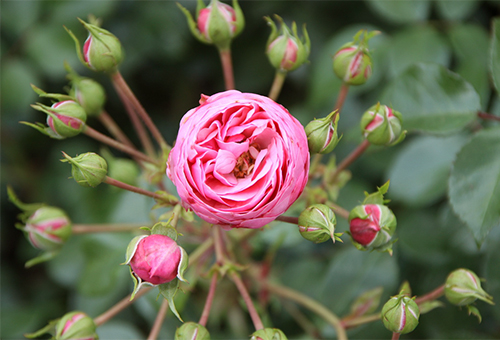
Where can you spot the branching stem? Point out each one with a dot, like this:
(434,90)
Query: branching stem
(114,129)
(350,159)
(210,298)
(257,322)
(158,321)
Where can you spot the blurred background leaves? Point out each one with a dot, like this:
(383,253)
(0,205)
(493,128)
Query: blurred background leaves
(168,70)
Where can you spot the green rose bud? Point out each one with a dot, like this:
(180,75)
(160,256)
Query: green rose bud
(76,325)
(352,62)
(192,331)
(463,287)
(400,314)
(381,125)
(268,334)
(88,169)
(48,228)
(322,134)
(317,224)
(87,92)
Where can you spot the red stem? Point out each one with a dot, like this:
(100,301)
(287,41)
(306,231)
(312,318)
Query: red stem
(341,98)
(208,303)
(395,336)
(137,190)
(435,294)
(227,68)
(114,129)
(257,322)
(158,321)
(351,158)
(488,116)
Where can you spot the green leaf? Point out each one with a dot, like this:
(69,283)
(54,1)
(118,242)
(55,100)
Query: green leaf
(420,171)
(168,290)
(432,99)
(456,9)
(474,186)
(401,12)
(495,54)
(417,44)
(427,306)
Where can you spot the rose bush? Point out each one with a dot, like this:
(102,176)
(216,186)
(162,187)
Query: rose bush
(240,160)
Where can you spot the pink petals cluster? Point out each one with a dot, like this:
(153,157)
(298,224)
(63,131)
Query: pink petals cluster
(364,231)
(240,160)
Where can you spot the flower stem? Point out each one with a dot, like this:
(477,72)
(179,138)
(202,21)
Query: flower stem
(279,79)
(488,116)
(288,219)
(158,321)
(309,303)
(395,336)
(104,228)
(350,159)
(219,253)
(435,294)
(210,298)
(341,98)
(198,252)
(227,68)
(339,210)
(117,145)
(124,303)
(122,87)
(257,322)
(360,320)
(114,129)
(137,190)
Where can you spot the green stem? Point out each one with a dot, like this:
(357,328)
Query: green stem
(117,145)
(361,320)
(158,321)
(350,159)
(279,79)
(227,68)
(104,228)
(210,298)
(257,322)
(123,88)
(341,98)
(309,303)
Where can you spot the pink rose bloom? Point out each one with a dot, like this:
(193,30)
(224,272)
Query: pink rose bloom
(240,160)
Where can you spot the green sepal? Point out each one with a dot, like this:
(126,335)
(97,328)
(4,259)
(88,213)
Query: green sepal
(427,306)
(240,18)
(166,229)
(199,6)
(187,215)
(183,264)
(168,290)
(78,47)
(50,328)
(27,208)
(49,255)
(405,289)
(367,302)
(165,201)
(378,196)
(192,24)
(131,248)
(474,311)
(57,96)
(43,129)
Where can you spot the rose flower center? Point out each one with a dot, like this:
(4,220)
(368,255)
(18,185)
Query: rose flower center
(246,162)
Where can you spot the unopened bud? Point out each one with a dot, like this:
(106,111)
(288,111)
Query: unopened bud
(88,169)
(381,125)
(48,228)
(87,92)
(352,62)
(268,334)
(216,24)
(463,287)
(372,226)
(192,331)
(322,134)
(285,50)
(317,224)
(76,325)
(400,314)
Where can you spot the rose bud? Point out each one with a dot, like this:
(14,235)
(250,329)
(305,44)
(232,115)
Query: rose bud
(400,314)
(352,62)
(192,331)
(48,228)
(381,125)
(64,119)
(240,160)
(317,224)
(463,287)
(87,92)
(372,226)
(286,51)
(216,24)
(76,325)
(154,259)
(88,169)
(268,334)
(322,134)
(122,169)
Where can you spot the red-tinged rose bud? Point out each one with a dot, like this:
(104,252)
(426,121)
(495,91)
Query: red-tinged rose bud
(400,314)
(48,228)
(192,331)
(87,92)
(381,125)
(463,287)
(217,24)
(88,169)
(352,62)
(317,224)
(268,334)
(372,226)
(154,259)
(76,326)
(322,136)
(285,50)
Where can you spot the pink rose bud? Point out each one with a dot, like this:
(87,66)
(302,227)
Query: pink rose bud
(64,119)
(76,326)
(352,62)
(400,314)
(372,226)
(48,228)
(216,24)
(240,160)
(191,331)
(463,287)
(154,259)
(286,51)
(381,125)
